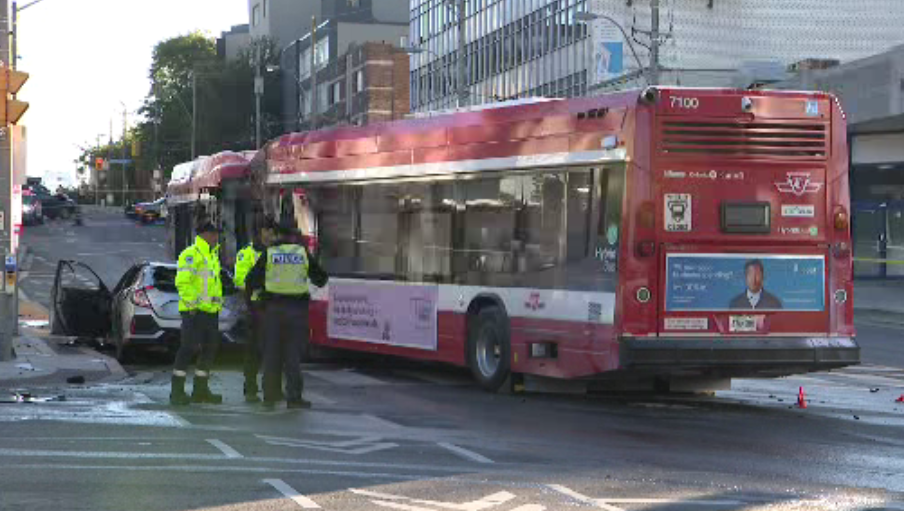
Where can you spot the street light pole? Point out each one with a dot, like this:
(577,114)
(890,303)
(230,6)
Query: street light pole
(314,97)
(8,316)
(125,120)
(654,43)
(194,113)
(15,38)
(258,92)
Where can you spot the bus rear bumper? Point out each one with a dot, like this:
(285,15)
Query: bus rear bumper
(764,356)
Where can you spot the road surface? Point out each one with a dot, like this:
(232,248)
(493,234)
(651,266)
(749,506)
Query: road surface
(385,434)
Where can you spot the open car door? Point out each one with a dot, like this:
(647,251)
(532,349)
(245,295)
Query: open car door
(80,303)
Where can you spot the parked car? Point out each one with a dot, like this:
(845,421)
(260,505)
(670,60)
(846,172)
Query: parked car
(32,211)
(140,313)
(57,205)
(149,212)
(130,210)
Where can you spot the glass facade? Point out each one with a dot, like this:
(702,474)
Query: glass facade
(522,48)
(512,49)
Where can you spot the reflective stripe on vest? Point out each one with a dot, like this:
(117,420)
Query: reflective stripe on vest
(287,270)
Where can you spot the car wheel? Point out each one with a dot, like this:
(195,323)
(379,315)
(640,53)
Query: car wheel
(489,348)
(65,214)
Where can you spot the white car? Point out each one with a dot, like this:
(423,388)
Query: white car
(140,313)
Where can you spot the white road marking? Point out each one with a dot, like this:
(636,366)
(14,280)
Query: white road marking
(291,493)
(358,446)
(461,451)
(225,449)
(393,501)
(45,453)
(607,503)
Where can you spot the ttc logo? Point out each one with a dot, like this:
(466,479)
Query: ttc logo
(534,302)
(799,184)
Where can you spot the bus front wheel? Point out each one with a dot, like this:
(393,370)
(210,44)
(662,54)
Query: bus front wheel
(489,349)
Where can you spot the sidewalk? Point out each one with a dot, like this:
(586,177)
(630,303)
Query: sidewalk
(879,300)
(46,360)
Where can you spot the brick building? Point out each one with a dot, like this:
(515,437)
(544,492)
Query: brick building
(368,83)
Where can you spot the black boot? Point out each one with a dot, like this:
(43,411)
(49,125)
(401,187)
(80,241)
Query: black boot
(201,392)
(178,397)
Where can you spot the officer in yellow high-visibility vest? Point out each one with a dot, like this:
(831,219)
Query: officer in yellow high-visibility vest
(200,303)
(245,260)
(283,274)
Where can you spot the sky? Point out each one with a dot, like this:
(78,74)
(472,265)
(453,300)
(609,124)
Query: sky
(86,58)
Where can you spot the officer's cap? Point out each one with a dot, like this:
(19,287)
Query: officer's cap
(207,227)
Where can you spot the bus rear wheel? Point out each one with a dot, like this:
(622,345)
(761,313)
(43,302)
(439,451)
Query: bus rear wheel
(489,348)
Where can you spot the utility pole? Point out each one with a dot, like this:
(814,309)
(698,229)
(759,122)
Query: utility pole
(194,112)
(8,319)
(654,43)
(15,38)
(462,63)
(314,73)
(258,92)
(97,172)
(125,120)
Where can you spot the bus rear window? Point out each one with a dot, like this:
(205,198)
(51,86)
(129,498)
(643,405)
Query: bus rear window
(745,217)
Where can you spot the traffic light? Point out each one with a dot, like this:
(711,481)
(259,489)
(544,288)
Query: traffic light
(99,163)
(11,109)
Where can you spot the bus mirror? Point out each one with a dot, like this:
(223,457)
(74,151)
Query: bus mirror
(650,96)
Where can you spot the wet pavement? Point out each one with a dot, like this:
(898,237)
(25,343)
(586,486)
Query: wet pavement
(414,438)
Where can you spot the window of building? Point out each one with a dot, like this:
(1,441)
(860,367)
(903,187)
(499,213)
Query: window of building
(359,80)
(256,15)
(266,7)
(336,93)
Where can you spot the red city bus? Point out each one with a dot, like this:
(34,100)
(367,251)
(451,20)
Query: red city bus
(669,235)
(215,188)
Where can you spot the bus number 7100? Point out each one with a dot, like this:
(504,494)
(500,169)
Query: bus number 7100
(685,103)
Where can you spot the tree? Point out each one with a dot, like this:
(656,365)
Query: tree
(223,93)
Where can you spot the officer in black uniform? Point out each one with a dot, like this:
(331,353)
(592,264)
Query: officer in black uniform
(283,276)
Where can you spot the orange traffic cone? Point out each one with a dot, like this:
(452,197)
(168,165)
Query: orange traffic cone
(801,399)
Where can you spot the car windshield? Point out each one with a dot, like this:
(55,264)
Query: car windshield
(164,278)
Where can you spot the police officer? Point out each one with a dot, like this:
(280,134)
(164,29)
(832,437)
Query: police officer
(200,302)
(284,275)
(245,260)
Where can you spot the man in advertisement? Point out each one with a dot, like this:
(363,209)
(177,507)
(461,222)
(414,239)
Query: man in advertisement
(755,296)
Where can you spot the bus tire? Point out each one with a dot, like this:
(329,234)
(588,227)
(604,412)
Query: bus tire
(489,348)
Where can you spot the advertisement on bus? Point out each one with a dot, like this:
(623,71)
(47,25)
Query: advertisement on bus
(382,313)
(720,282)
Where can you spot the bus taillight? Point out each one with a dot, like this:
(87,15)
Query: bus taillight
(841,220)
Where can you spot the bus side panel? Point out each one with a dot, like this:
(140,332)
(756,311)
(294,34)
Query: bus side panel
(584,349)
(638,271)
(841,277)
(450,344)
